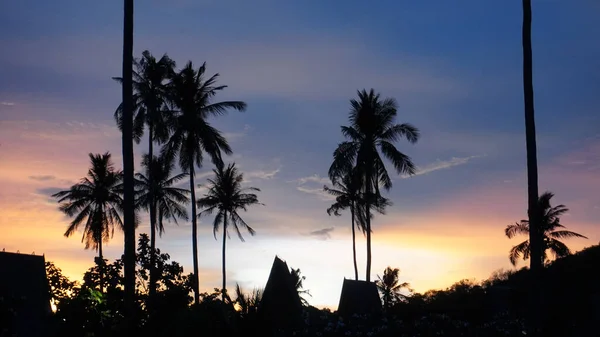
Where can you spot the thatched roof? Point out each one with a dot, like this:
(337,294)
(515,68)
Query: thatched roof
(280,307)
(359,297)
(24,288)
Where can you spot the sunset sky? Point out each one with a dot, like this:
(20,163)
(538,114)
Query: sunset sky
(455,71)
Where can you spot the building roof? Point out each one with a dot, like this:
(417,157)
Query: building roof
(24,289)
(359,297)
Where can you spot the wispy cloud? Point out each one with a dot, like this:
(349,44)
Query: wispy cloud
(7,103)
(261,174)
(441,165)
(322,234)
(42,178)
(315,178)
(234,136)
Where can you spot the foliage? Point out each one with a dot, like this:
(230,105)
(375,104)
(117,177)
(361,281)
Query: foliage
(390,288)
(551,228)
(298,281)
(95,202)
(60,286)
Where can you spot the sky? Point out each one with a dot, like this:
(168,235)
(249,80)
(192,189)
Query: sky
(454,67)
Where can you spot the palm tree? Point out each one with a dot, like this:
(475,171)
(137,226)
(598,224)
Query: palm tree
(164,201)
(247,303)
(226,196)
(192,135)
(298,283)
(348,195)
(95,203)
(552,231)
(129,222)
(390,287)
(150,108)
(372,128)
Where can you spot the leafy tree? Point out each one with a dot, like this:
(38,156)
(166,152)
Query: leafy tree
(226,197)
(159,197)
(60,286)
(551,232)
(372,130)
(95,203)
(192,95)
(390,287)
(247,303)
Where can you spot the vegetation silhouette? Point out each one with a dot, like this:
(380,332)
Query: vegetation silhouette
(149,79)
(157,195)
(348,194)
(390,288)
(535,232)
(549,223)
(96,203)
(191,94)
(129,223)
(226,196)
(372,129)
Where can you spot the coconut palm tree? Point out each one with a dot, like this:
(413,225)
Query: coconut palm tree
(129,219)
(150,79)
(226,197)
(348,195)
(390,287)
(372,130)
(94,203)
(552,232)
(192,95)
(297,280)
(159,196)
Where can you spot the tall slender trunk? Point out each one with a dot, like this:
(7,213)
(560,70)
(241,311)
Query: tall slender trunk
(536,263)
(224,269)
(152,286)
(127,139)
(196,280)
(354,242)
(368,188)
(101,265)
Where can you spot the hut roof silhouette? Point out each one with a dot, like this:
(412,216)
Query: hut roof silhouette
(359,297)
(280,307)
(24,288)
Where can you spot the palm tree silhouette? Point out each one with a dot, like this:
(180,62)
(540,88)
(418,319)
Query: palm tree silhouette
(390,287)
(159,196)
(191,94)
(129,217)
(372,128)
(95,202)
(298,283)
(551,232)
(348,195)
(150,79)
(226,197)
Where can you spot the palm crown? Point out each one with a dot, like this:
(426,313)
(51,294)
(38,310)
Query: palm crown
(551,228)
(169,200)
(94,202)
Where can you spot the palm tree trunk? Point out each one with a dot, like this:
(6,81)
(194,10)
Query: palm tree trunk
(368,220)
(196,279)
(354,242)
(152,286)
(101,265)
(536,263)
(127,139)
(224,270)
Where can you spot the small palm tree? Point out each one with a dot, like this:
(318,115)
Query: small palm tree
(192,95)
(226,197)
(298,283)
(551,229)
(95,202)
(161,197)
(247,304)
(390,287)
(348,195)
(372,130)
